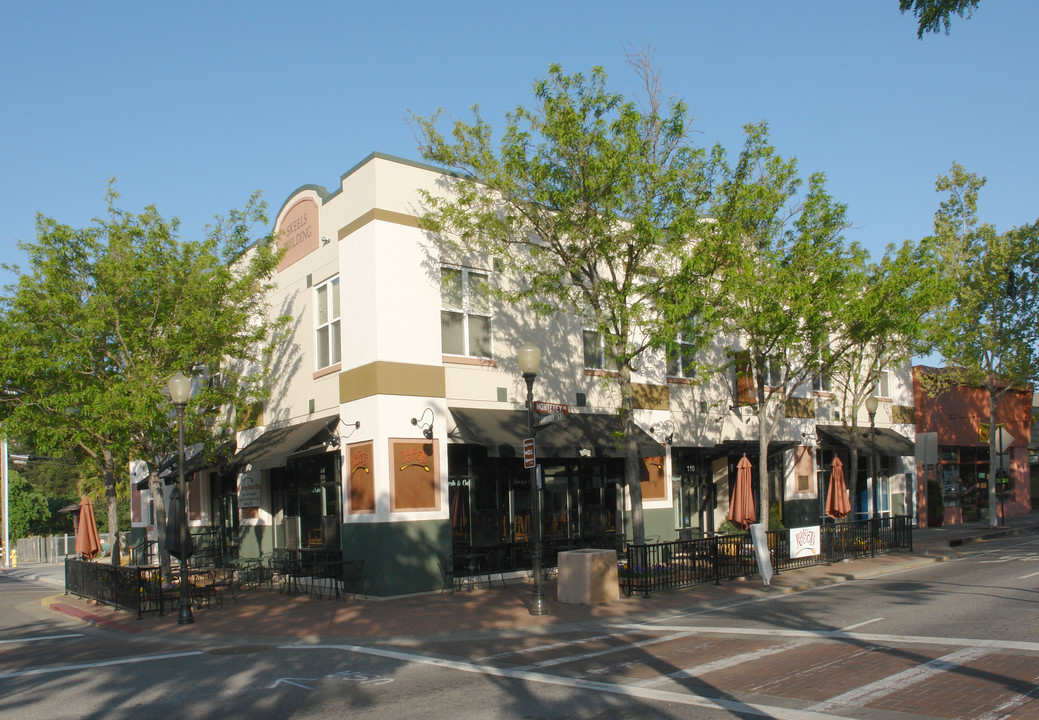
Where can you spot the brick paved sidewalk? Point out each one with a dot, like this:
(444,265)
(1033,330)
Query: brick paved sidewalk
(268,613)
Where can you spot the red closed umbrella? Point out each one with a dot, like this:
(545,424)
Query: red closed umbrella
(741,509)
(88,542)
(837,503)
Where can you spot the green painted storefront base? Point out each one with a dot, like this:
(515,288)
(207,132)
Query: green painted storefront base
(400,558)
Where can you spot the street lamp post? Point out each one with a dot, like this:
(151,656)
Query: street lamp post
(180,390)
(529,356)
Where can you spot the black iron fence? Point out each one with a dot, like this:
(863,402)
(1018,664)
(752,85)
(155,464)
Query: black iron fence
(659,567)
(131,588)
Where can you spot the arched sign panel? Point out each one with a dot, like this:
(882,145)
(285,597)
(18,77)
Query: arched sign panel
(299,233)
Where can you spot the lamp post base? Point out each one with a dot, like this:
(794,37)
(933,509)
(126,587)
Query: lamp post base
(538,606)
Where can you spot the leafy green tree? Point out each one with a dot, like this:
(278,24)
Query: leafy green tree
(787,285)
(933,15)
(28,507)
(885,324)
(988,335)
(594,203)
(105,314)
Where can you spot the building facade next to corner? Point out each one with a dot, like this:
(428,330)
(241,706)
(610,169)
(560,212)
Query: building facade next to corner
(959,467)
(395,425)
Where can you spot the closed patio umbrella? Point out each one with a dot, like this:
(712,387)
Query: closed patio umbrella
(837,503)
(88,542)
(741,509)
(178,539)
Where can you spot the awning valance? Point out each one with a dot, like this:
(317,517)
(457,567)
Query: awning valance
(889,442)
(574,435)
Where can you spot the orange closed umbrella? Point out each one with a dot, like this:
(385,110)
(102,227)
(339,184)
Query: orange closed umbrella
(741,509)
(837,503)
(88,542)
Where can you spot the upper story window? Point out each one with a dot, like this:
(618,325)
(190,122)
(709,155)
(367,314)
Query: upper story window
(594,350)
(883,386)
(465,315)
(326,322)
(821,379)
(681,362)
(744,389)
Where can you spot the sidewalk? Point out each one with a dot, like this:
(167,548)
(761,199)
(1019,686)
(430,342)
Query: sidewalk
(270,614)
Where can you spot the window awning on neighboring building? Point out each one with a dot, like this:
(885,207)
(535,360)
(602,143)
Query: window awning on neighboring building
(889,442)
(195,459)
(502,432)
(274,446)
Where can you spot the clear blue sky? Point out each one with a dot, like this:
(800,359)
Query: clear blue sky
(193,105)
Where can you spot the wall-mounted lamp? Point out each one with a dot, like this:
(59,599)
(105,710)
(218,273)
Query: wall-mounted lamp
(337,436)
(325,241)
(666,430)
(427,427)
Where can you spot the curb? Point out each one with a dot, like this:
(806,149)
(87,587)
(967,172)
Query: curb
(55,605)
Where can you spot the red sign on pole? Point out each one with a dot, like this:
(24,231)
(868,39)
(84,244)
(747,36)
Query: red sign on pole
(528,453)
(548,407)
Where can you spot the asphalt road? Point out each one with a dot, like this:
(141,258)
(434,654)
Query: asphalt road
(955,639)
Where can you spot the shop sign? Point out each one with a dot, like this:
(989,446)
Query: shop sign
(804,542)
(248,490)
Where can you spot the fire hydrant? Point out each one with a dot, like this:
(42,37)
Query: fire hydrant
(14,558)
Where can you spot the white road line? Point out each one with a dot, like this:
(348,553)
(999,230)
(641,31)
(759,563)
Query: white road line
(1029,575)
(540,648)
(846,628)
(102,663)
(38,639)
(733,706)
(722,664)
(1012,704)
(899,681)
(862,637)
(607,651)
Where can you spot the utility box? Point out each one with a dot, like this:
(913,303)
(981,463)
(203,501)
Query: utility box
(587,577)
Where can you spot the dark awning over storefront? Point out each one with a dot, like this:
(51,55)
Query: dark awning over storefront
(502,433)
(275,446)
(750,447)
(889,442)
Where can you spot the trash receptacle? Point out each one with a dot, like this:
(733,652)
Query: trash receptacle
(587,577)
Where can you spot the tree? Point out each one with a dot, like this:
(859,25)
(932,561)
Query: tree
(594,203)
(28,507)
(786,286)
(885,324)
(106,313)
(933,15)
(988,334)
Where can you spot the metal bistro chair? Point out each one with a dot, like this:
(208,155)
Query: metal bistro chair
(447,576)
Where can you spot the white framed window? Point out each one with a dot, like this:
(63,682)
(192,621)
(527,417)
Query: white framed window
(465,314)
(882,388)
(328,333)
(594,350)
(681,362)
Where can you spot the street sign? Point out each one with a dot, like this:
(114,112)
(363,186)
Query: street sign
(529,460)
(549,419)
(547,407)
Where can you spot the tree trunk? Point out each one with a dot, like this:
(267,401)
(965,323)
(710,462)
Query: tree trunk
(108,480)
(159,508)
(632,472)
